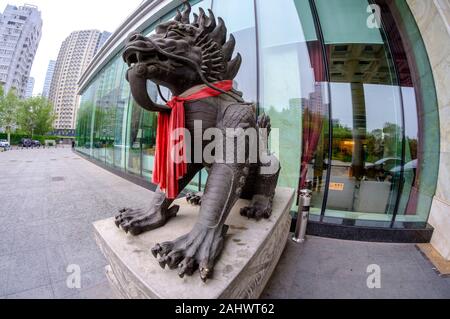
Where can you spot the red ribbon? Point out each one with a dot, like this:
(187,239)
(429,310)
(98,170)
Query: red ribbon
(167,171)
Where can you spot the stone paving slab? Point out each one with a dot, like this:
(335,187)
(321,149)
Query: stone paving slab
(329,268)
(51,197)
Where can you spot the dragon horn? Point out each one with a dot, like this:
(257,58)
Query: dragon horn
(186,13)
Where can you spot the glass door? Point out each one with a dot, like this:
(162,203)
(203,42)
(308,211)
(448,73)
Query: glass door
(367,118)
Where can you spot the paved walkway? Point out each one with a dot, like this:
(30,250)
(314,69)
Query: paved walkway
(328,268)
(49,199)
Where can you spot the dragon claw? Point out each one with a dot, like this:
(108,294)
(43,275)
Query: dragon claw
(155,250)
(162,262)
(204,274)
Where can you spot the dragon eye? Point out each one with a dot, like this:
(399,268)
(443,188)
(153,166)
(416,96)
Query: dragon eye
(174,34)
(180,30)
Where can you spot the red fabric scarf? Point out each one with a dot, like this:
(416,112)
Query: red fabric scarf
(166,171)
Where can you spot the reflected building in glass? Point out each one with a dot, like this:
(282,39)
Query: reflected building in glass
(349,85)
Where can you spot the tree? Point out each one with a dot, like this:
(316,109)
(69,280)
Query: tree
(9,106)
(36,116)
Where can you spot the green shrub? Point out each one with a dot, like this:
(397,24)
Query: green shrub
(16,137)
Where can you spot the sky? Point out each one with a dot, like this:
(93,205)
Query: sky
(61,17)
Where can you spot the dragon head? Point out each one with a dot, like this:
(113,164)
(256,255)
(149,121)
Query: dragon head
(181,54)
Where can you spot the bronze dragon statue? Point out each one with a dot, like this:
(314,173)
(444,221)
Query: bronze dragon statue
(187,56)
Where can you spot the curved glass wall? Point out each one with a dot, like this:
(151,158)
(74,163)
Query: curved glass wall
(350,93)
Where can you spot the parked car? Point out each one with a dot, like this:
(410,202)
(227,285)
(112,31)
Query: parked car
(410,169)
(5,145)
(381,168)
(28,142)
(25,142)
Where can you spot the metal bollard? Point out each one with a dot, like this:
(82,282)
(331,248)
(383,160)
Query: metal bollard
(303,216)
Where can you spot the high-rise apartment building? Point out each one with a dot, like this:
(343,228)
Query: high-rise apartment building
(48,78)
(103,38)
(20,33)
(74,56)
(30,88)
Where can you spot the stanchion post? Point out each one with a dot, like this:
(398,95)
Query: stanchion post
(304,204)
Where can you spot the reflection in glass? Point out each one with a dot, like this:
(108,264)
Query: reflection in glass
(147,131)
(84,119)
(239,16)
(133,141)
(293,92)
(123,94)
(367,114)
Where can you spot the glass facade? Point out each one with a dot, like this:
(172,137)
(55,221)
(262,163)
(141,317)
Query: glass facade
(348,85)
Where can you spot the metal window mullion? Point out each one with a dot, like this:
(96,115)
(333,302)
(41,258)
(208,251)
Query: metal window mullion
(258,71)
(321,40)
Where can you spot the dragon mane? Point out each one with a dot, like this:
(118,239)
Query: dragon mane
(210,36)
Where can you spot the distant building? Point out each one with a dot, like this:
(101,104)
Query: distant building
(48,78)
(103,38)
(75,54)
(30,88)
(20,33)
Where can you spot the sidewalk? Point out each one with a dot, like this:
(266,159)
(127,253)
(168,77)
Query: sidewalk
(329,268)
(50,197)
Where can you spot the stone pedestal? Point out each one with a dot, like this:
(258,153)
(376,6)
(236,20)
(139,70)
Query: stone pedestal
(251,252)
